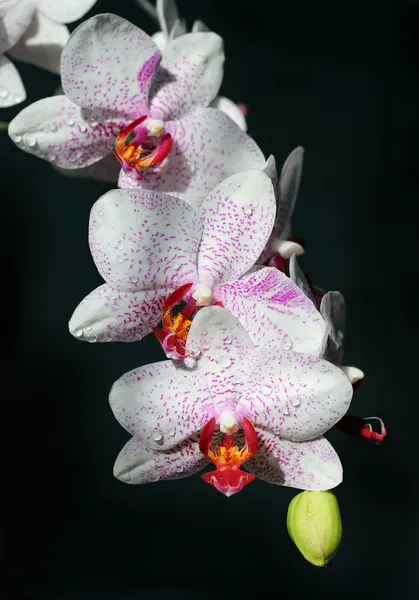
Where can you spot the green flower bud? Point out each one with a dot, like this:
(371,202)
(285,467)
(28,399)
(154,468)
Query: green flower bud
(315,526)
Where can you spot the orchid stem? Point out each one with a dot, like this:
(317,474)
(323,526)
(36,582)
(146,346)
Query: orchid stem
(147,7)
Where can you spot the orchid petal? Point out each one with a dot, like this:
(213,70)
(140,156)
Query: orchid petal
(105,169)
(274,311)
(179,28)
(353,374)
(12,90)
(289,184)
(189,76)
(42,43)
(15,16)
(298,277)
(65,12)
(222,342)
(160,39)
(108,63)
(312,465)
(238,217)
(167,15)
(137,464)
(162,405)
(207,148)
(111,315)
(231,109)
(295,395)
(56,129)
(288,248)
(144,240)
(332,308)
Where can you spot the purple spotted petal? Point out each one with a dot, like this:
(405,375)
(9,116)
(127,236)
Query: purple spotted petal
(136,463)
(208,147)
(223,344)
(312,465)
(111,315)
(332,308)
(161,405)
(65,12)
(12,90)
(144,240)
(238,217)
(15,17)
(189,76)
(63,133)
(108,63)
(295,395)
(274,311)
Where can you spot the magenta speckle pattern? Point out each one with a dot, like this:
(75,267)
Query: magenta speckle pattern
(208,147)
(238,217)
(139,464)
(100,65)
(311,465)
(147,71)
(142,240)
(270,306)
(189,77)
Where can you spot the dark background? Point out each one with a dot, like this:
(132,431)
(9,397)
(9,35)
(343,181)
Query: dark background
(346,87)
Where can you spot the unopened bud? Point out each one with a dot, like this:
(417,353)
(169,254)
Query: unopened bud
(315,526)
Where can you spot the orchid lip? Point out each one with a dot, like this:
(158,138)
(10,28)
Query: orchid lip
(136,146)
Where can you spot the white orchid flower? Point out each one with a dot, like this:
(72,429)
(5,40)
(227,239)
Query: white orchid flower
(282,403)
(166,15)
(148,246)
(33,31)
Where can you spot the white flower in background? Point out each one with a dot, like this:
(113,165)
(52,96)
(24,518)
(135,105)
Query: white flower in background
(166,15)
(154,117)
(282,403)
(33,31)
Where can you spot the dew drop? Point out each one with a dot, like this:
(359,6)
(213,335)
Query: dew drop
(194,350)
(120,260)
(185,418)
(237,395)
(225,362)
(3,92)
(100,213)
(171,432)
(254,204)
(17,138)
(92,339)
(156,435)
(295,401)
(89,328)
(176,266)
(238,380)
(286,342)
(134,279)
(266,390)
(191,166)
(120,246)
(31,140)
(79,332)
(205,346)
(70,122)
(83,128)
(248,210)
(53,126)
(204,332)
(286,409)
(227,341)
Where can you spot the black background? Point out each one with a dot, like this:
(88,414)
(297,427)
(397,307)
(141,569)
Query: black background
(345,85)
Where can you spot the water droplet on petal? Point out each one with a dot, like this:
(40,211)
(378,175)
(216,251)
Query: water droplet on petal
(237,395)
(204,332)
(156,435)
(134,279)
(266,390)
(254,204)
(53,126)
(286,342)
(176,266)
(3,92)
(227,341)
(89,328)
(191,166)
(92,339)
(194,350)
(179,469)
(171,432)
(225,362)
(185,417)
(286,409)
(31,140)
(238,380)
(70,122)
(120,246)
(83,128)
(100,213)
(295,401)
(248,210)
(120,260)
(17,138)
(79,332)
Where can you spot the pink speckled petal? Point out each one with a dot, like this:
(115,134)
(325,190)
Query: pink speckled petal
(223,343)
(108,63)
(167,15)
(136,463)
(144,240)
(42,43)
(189,76)
(312,465)
(274,311)
(65,12)
(15,17)
(296,395)
(231,109)
(199,26)
(12,90)
(163,404)
(111,315)
(207,148)
(63,133)
(332,308)
(238,217)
